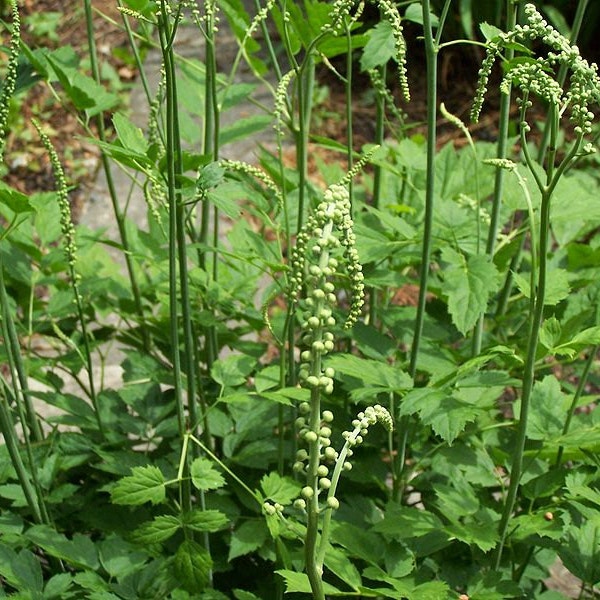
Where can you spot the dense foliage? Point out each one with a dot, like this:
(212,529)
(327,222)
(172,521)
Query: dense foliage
(375,378)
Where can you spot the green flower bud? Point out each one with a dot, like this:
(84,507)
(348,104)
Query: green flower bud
(327,415)
(307,492)
(330,453)
(324,483)
(310,437)
(269,509)
(325,432)
(322,471)
(333,503)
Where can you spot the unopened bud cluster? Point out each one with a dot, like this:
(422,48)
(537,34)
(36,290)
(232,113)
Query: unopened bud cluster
(320,439)
(66,221)
(10,79)
(390,11)
(370,416)
(535,77)
(326,231)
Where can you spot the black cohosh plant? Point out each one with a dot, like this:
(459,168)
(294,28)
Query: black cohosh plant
(541,77)
(316,264)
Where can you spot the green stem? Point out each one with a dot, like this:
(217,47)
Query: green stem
(136,55)
(536,312)
(172,202)
(12,445)
(377,178)
(112,191)
(305,84)
(501,152)
(563,70)
(536,317)
(15,363)
(431,52)
(349,106)
(578,393)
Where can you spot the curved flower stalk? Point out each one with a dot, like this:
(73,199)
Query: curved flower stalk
(70,244)
(538,77)
(324,250)
(10,79)
(535,76)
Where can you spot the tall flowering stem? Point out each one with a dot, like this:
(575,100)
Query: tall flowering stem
(324,252)
(68,231)
(539,78)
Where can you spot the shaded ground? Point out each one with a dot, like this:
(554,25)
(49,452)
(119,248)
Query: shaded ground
(29,168)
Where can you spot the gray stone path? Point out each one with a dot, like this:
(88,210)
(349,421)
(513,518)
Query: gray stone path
(98,213)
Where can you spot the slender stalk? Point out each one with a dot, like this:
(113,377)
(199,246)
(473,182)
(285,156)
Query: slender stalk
(15,363)
(501,152)
(562,72)
(210,148)
(576,396)
(536,314)
(431,53)
(136,55)
(348,94)
(304,85)
(10,439)
(172,197)
(110,184)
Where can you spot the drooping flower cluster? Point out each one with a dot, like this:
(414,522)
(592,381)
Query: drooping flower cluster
(10,79)
(313,264)
(66,221)
(536,76)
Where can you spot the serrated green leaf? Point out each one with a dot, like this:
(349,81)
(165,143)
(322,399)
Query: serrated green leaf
(15,200)
(373,373)
(248,537)
(79,551)
(587,337)
(242,128)
(83,91)
(557,286)
(209,176)
(446,415)
(580,551)
(548,410)
(468,283)
(489,32)
(279,489)
(414,13)
(233,370)
(130,136)
(380,48)
(192,565)
(341,566)
(205,520)
(57,586)
(550,333)
(483,534)
(27,571)
(536,524)
(406,522)
(358,542)
(205,476)
(298,582)
(158,530)
(146,484)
